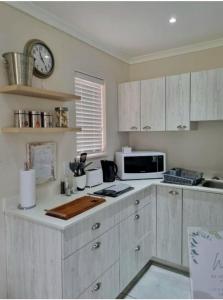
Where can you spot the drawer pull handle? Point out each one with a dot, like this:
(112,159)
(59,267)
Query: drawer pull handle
(133,127)
(184,126)
(174,193)
(147,127)
(137,248)
(96,246)
(179,126)
(96,226)
(137,202)
(137,217)
(96,287)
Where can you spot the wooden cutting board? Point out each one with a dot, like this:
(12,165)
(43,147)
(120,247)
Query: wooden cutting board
(75,207)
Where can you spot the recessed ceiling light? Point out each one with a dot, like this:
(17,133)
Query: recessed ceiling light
(172,20)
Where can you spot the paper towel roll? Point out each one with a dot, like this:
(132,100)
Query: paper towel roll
(27,189)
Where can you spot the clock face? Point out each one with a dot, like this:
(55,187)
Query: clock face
(43,58)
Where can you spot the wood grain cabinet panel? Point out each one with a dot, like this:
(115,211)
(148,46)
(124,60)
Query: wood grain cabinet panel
(207,95)
(129,106)
(105,287)
(136,226)
(169,223)
(82,268)
(178,102)
(33,260)
(153,104)
(200,209)
(133,260)
(80,233)
(133,203)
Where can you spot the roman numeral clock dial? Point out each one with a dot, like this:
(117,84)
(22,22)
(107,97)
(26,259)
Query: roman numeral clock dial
(43,58)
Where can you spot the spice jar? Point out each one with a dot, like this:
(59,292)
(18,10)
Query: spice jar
(21,118)
(35,118)
(61,118)
(46,119)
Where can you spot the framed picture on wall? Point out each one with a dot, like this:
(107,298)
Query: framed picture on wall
(42,157)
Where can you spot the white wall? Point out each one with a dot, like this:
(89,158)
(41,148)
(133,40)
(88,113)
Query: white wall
(201,149)
(71,55)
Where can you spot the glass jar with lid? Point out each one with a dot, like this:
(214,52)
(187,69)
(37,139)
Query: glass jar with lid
(61,117)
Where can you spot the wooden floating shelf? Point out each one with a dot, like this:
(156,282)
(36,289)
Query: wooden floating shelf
(39,130)
(24,90)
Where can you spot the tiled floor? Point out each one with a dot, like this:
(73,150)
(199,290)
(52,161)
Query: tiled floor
(160,283)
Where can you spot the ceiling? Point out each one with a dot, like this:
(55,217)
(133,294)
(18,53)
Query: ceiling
(135,31)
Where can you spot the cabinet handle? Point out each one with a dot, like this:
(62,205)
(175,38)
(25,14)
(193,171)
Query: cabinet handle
(137,217)
(179,127)
(96,226)
(174,193)
(96,287)
(147,127)
(96,246)
(184,126)
(137,248)
(133,127)
(137,202)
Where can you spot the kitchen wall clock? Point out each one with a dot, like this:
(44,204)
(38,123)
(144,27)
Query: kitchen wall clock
(43,58)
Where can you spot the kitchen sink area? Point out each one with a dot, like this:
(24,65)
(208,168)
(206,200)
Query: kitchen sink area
(214,184)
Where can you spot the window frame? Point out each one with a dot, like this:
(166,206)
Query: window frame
(94,79)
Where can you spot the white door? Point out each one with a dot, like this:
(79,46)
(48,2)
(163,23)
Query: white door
(207,95)
(169,224)
(178,102)
(129,106)
(153,104)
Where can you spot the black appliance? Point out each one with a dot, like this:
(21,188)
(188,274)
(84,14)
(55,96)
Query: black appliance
(109,169)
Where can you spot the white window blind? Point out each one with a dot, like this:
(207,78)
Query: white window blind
(90,114)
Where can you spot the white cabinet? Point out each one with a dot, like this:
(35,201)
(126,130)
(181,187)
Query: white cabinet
(200,209)
(129,106)
(178,102)
(207,95)
(169,223)
(153,104)
(105,287)
(86,264)
(137,238)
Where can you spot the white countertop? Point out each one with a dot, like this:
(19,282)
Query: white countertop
(37,214)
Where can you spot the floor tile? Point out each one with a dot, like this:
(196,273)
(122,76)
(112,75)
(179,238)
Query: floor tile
(159,283)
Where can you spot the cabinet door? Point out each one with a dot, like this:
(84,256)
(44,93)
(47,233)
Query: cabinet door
(207,95)
(82,268)
(129,106)
(178,102)
(105,287)
(200,209)
(153,104)
(169,223)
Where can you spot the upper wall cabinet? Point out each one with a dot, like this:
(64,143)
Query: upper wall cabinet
(129,106)
(153,104)
(207,95)
(178,102)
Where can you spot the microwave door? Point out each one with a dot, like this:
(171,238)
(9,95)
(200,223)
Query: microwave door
(140,164)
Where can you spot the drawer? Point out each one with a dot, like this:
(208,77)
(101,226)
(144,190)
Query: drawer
(137,226)
(105,287)
(133,260)
(82,268)
(81,233)
(136,201)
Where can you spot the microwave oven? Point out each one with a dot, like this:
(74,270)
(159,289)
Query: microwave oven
(140,165)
